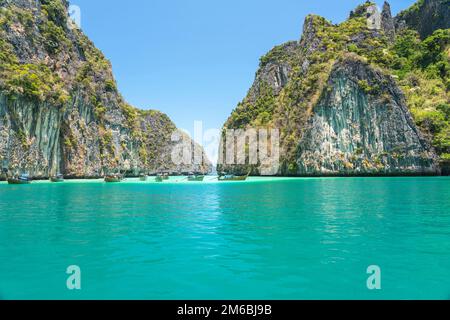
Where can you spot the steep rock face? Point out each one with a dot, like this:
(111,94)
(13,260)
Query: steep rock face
(356,122)
(60,110)
(387,21)
(274,71)
(22,120)
(425,16)
(355,132)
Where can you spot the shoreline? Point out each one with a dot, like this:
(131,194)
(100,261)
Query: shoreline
(331,175)
(214,180)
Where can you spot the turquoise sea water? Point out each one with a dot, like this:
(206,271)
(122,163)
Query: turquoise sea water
(261,239)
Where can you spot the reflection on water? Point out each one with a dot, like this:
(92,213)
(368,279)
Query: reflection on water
(287,239)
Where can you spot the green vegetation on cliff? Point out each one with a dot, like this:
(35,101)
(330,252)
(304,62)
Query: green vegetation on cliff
(55,11)
(260,111)
(34,81)
(423,71)
(420,66)
(59,101)
(425,17)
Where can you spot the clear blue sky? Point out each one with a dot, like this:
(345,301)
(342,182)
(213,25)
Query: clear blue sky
(195,60)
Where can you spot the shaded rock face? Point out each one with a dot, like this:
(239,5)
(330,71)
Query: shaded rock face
(29,134)
(425,16)
(387,21)
(353,132)
(310,40)
(276,75)
(274,72)
(77,124)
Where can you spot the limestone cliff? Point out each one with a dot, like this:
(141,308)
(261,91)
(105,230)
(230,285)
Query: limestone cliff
(354,131)
(425,16)
(60,110)
(357,98)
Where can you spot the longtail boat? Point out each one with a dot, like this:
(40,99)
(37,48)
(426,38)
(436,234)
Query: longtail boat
(160,177)
(195,178)
(22,179)
(58,178)
(232,177)
(114,178)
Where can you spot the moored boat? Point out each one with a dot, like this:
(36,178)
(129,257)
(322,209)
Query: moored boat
(195,178)
(160,177)
(232,177)
(113,178)
(22,179)
(58,178)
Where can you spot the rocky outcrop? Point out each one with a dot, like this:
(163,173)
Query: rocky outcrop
(341,107)
(387,21)
(60,110)
(354,131)
(425,16)
(30,135)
